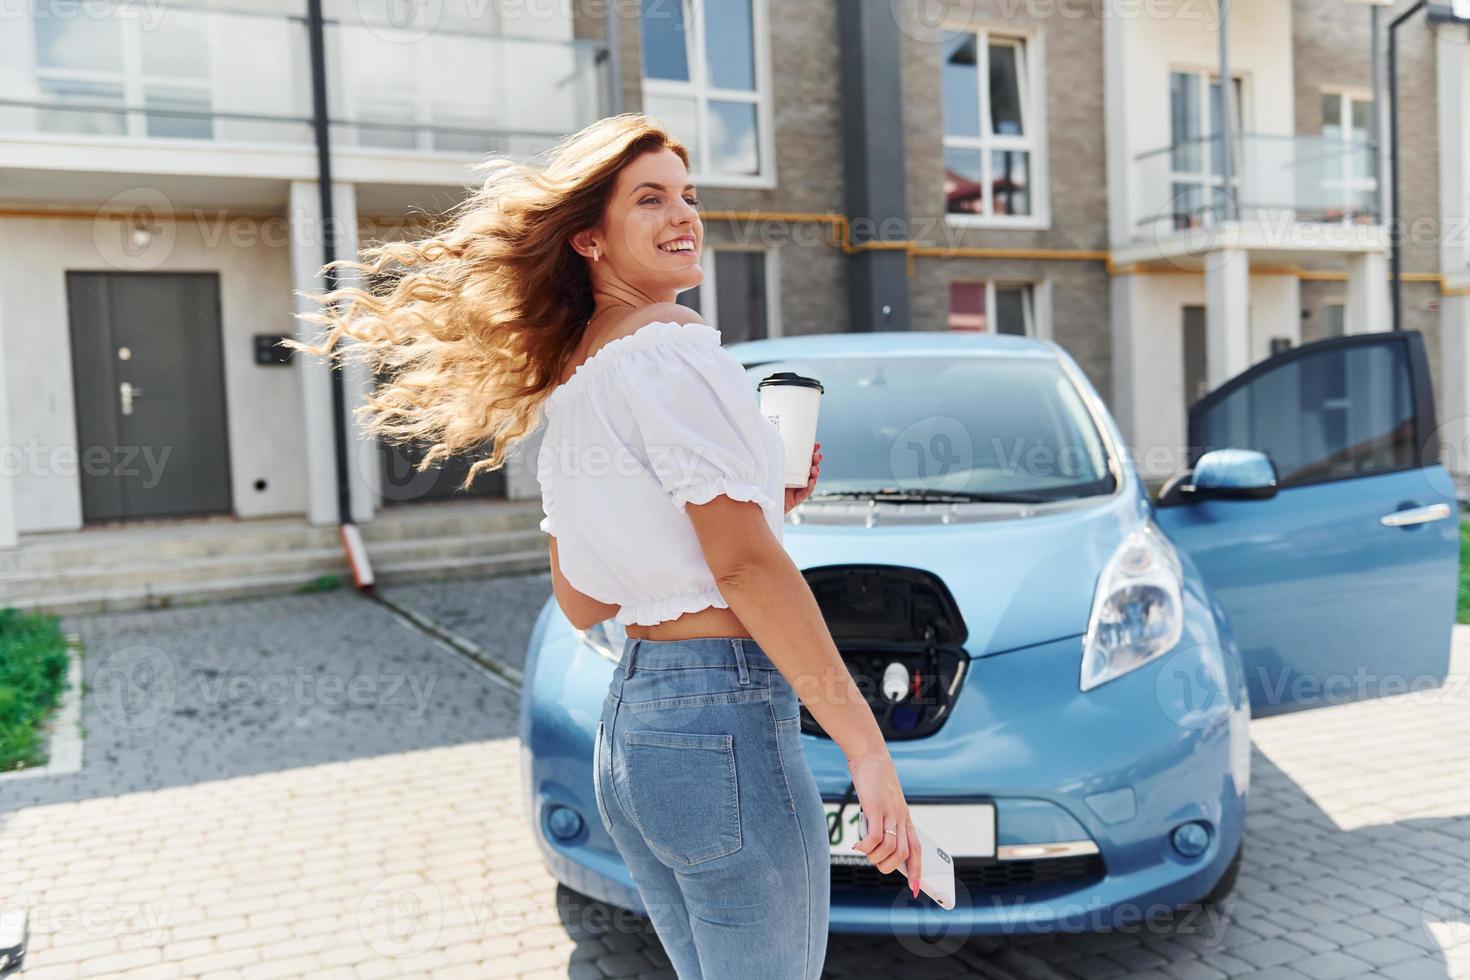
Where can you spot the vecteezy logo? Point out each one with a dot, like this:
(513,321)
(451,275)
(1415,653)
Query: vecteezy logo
(929,20)
(1446,916)
(135,687)
(934,452)
(401,915)
(135,229)
(400,21)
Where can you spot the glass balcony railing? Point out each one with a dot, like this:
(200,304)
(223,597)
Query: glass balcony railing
(1275,179)
(461,85)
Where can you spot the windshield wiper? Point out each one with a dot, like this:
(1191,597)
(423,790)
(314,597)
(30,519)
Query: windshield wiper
(930,495)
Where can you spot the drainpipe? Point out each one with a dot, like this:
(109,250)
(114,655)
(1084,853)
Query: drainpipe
(1395,236)
(1227,115)
(870,103)
(357,558)
(1378,107)
(614,63)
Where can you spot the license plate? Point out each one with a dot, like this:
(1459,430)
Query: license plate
(962,829)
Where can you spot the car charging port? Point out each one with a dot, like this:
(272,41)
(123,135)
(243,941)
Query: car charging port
(900,633)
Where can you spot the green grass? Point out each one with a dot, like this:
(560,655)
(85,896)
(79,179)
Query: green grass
(322,583)
(33,666)
(1462,607)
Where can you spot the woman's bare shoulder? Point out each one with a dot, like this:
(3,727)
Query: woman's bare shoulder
(633,320)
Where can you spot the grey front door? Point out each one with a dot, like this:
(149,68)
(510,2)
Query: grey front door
(150,401)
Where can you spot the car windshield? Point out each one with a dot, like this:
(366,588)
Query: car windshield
(961,428)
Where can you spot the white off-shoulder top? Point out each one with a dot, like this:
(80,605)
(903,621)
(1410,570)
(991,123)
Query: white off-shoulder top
(653,420)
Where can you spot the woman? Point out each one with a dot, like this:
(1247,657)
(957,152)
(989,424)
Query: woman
(554,288)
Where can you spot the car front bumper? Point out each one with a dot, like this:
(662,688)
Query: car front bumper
(1120,766)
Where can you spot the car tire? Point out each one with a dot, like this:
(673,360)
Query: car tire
(1226,884)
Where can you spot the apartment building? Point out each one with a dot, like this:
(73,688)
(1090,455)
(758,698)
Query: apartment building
(1105,222)
(1044,167)
(160,210)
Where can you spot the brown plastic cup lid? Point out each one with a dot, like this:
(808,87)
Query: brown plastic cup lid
(789,378)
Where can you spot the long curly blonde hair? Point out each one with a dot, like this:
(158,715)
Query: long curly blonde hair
(469,329)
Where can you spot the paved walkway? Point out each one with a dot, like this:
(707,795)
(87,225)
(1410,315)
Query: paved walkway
(320,833)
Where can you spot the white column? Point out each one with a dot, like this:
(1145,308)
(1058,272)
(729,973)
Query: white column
(1227,315)
(1148,374)
(1452,59)
(1368,309)
(1453,403)
(1276,311)
(1119,73)
(10,457)
(364,456)
(307,257)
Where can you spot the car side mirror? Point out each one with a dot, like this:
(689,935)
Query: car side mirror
(1232,474)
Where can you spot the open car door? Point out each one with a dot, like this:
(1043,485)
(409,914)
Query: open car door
(1342,585)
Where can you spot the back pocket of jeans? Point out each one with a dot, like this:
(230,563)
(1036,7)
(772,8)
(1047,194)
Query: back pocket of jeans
(683,793)
(597,764)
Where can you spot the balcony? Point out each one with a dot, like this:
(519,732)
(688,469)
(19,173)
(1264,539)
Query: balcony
(196,80)
(1292,194)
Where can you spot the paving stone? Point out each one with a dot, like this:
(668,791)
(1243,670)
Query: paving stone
(344,808)
(1094,967)
(1270,952)
(1193,970)
(1231,966)
(1424,968)
(1384,951)
(1134,958)
(242,688)
(1331,966)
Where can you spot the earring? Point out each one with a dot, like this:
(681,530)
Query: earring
(596,254)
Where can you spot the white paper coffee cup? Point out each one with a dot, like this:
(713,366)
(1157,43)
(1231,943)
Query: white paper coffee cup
(790,401)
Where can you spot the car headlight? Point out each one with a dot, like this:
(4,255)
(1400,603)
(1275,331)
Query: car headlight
(607,638)
(1137,610)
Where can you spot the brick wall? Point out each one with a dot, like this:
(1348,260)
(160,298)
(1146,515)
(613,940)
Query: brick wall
(805,101)
(1332,46)
(1077,183)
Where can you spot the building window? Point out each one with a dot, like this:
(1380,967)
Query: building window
(989,307)
(702,76)
(739,280)
(993,132)
(1350,182)
(104,61)
(386,67)
(1196,153)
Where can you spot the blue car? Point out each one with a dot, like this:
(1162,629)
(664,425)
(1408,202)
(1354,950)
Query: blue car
(1079,657)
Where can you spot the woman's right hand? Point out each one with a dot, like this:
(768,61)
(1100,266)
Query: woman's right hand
(875,782)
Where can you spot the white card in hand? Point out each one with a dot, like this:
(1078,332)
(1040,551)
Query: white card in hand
(936,867)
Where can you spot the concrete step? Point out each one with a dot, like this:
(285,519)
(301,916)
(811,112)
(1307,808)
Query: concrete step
(219,537)
(534,560)
(300,564)
(451,517)
(122,598)
(215,590)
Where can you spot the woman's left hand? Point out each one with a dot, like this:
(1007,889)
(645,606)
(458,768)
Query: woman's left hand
(795,495)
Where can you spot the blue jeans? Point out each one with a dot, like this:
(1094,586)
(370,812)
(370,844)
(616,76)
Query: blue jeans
(702,783)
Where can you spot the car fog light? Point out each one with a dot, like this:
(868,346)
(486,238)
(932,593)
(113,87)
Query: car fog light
(563,822)
(1191,839)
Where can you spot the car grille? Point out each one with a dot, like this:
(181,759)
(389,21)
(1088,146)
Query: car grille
(984,875)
